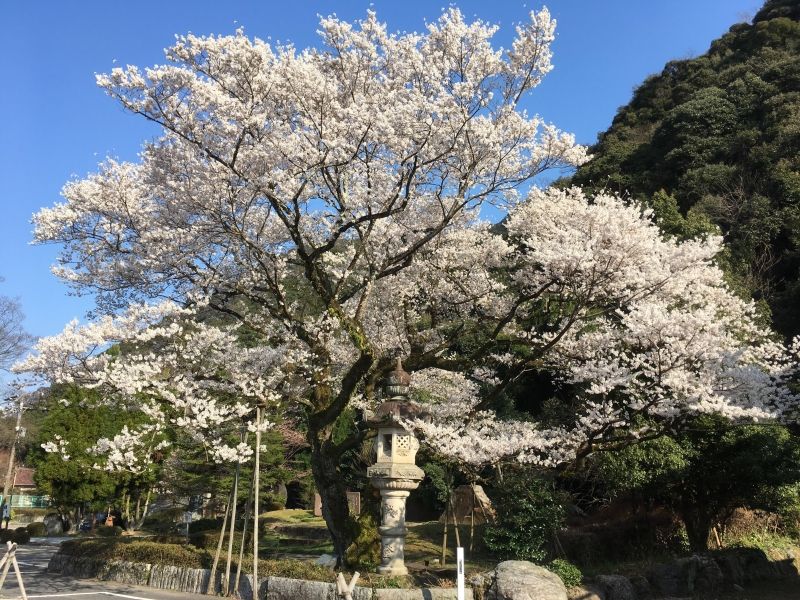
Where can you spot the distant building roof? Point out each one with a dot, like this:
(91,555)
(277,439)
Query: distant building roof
(24,478)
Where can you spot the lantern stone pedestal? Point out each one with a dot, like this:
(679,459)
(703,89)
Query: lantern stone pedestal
(394,472)
(395,482)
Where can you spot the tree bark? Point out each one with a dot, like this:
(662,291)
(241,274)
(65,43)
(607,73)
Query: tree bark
(332,491)
(698,528)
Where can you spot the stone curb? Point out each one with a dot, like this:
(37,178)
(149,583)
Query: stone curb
(195,581)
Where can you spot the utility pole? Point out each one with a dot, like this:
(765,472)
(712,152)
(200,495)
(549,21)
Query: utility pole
(13,453)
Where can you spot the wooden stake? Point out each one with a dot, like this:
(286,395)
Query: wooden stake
(455,522)
(9,559)
(244,537)
(472,518)
(444,535)
(232,529)
(210,586)
(255,502)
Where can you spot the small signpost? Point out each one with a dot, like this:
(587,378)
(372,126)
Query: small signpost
(187,518)
(9,559)
(460,573)
(345,590)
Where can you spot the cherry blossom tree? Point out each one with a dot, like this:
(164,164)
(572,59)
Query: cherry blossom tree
(327,202)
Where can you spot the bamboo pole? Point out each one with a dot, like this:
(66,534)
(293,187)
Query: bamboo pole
(472,517)
(455,521)
(244,537)
(210,586)
(255,502)
(232,529)
(444,534)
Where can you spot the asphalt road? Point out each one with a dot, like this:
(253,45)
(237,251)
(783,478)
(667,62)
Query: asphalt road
(41,584)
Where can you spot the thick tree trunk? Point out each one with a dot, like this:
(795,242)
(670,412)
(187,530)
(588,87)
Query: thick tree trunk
(698,528)
(332,491)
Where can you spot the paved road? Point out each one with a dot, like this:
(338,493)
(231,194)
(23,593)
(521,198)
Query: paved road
(40,584)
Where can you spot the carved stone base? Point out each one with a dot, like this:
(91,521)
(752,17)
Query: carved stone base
(394,493)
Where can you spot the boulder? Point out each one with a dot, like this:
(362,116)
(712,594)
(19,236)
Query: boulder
(522,580)
(642,587)
(687,576)
(616,587)
(326,560)
(675,578)
(586,592)
(709,577)
(53,524)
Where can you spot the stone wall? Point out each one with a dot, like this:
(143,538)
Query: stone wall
(706,575)
(184,579)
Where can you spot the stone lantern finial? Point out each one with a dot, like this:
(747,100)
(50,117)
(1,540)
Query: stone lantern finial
(398,381)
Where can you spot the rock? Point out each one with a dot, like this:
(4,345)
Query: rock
(709,577)
(522,580)
(586,592)
(675,578)
(616,587)
(53,524)
(282,588)
(642,587)
(326,560)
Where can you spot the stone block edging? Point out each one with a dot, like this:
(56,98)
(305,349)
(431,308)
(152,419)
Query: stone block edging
(195,581)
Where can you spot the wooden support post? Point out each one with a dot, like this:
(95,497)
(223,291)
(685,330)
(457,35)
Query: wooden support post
(255,502)
(9,559)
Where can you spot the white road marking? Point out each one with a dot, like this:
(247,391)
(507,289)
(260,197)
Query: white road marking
(70,594)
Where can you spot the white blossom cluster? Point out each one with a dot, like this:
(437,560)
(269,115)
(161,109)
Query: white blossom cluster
(57,445)
(328,201)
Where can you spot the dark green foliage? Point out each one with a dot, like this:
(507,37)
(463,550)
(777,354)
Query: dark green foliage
(104,531)
(205,525)
(146,551)
(365,552)
(164,521)
(21,535)
(37,529)
(707,470)
(138,551)
(74,482)
(569,573)
(6,535)
(529,511)
(720,134)
(208,540)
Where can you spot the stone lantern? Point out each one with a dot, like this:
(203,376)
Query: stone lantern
(394,472)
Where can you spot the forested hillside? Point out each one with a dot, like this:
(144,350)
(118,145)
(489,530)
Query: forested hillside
(718,137)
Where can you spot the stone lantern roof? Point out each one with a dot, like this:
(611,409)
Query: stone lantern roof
(398,406)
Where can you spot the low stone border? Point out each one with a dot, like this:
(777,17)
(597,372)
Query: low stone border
(195,581)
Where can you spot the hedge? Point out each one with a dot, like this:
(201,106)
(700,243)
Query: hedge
(146,551)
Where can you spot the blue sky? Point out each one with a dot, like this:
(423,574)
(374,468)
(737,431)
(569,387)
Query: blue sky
(56,124)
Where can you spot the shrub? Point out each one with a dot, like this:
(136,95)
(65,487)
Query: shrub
(104,531)
(209,540)
(6,535)
(136,550)
(163,521)
(529,511)
(205,525)
(21,535)
(569,573)
(291,568)
(37,529)
(365,551)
